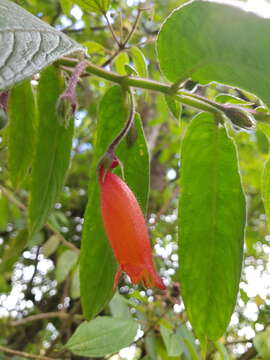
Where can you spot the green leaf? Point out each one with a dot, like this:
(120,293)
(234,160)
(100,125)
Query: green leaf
(120,61)
(208,42)
(13,251)
(119,306)
(97,264)
(139,61)
(133,153)
(50,245)
(97,6)
(102,336)
(265,188)
(222,351)
(174,106)
(66,6)
(261,343)
(52,155)
(211,226)
(171,340)
(75,284)
(28,44)
(4,211)
(21,135)
(67,260)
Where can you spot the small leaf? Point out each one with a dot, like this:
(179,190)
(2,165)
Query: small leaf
(119,307)
(198,41)
(13,251)
(50,245)
(21,135)
(139,61)
(66,261)
(28,44)
(120,61)
(102,336)
(52,153)
(211,226)
(171,339)
(174,106)
(75,284)
(97,6)
(262,344)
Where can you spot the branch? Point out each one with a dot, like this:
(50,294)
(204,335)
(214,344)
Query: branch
(23,354)
(132,81)
(111,29)
(134,27)
(50,315)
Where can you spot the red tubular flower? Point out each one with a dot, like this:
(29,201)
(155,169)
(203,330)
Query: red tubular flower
(127,232)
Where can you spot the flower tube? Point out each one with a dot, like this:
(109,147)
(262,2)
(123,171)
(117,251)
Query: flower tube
(127,232)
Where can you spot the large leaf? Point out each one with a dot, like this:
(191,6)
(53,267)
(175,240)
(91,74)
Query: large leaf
(211,226)
(101,336)
(265,183)
(27,44)
(22,113)
(52,153)
(97,262)
(216,42)
(97,6)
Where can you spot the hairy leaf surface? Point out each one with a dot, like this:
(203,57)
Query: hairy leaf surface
(28,44)
(216,42)
(211,226)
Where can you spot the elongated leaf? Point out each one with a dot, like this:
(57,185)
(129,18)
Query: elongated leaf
(139,61)
(265,187)
(211,226)
(52,153)
(97,6)
(4,211)
(67,260)
(216,42)
(21,135)
(133,152)
(97,263)
(101,336)
(27,44)
(265,180)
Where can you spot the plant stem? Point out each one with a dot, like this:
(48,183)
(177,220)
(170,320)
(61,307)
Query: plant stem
(132,81)
(111,29)
(124,131)
(23,354)
(50,315)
